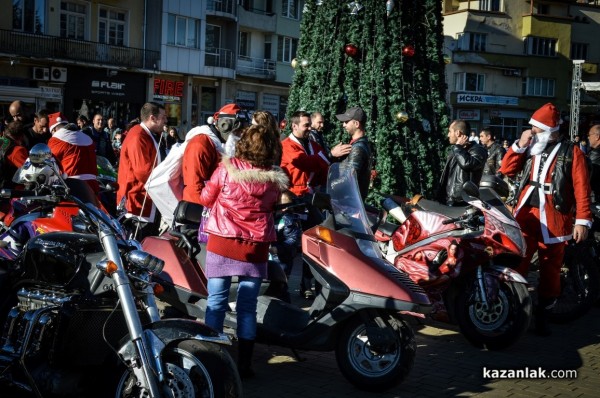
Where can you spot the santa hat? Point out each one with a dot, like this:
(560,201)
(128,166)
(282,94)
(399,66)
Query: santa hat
(54,119)
(547,118)
(227,110)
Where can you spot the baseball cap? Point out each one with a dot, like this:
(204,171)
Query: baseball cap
(354,113)
(54,119)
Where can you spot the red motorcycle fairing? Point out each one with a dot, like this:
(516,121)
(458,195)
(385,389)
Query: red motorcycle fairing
(179,268)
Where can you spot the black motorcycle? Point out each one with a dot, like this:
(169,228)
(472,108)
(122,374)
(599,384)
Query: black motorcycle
(79,318)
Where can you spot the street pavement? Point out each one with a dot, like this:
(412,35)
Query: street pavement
(446,365)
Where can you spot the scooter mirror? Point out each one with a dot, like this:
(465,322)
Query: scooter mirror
(471,190)
(321,201)
(39,153)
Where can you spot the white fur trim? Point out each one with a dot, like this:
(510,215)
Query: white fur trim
(73,137)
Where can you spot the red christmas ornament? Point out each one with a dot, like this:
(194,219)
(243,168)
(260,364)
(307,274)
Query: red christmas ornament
(408,51)
(351,50)
(282,124)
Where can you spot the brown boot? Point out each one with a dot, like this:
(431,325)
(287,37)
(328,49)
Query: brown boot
(245,350)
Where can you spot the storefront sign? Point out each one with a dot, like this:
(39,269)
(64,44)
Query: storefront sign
(97,85)
(246,99)
(103,87)
(168,90)
(486,99)
(270,102)
(52,93)
(468,114)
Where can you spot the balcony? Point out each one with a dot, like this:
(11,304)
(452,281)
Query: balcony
(257,20)
(219,62)
(223,8)
(58,48)
(258,68)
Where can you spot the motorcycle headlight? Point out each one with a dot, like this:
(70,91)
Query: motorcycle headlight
(515,235)
(145,261)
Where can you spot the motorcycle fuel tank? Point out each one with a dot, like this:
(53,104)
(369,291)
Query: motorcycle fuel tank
(57,259)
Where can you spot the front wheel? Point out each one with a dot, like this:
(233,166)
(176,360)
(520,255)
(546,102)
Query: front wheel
(375,368)
(194,369)
(499,323)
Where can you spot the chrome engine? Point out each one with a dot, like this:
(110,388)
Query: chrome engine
(31,322)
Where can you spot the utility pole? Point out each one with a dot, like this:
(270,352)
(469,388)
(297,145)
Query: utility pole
(575,98)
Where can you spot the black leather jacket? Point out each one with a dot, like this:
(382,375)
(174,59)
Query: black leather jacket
(494,159)
(464,163)
(360,159)
(594,156)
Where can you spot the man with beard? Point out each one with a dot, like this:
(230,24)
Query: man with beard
(139,155)
(495,152)
(465,162)
(553,194)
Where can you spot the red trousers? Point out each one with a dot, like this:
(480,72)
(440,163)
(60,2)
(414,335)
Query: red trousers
(550,255)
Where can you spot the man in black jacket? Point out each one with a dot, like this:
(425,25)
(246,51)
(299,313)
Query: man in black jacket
(494,150)
(360,157)
(594,155)
(465,162)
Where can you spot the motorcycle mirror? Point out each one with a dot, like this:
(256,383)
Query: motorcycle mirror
(39,154)
(321,201)
(470,190)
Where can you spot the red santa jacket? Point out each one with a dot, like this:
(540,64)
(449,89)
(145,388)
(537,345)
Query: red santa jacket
(75,154)
(556,226)
(305,170)
(200,159)
(138,154)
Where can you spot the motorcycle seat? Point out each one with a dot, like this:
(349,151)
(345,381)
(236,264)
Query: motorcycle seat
(436,207)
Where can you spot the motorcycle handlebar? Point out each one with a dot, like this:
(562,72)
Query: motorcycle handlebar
(15,193)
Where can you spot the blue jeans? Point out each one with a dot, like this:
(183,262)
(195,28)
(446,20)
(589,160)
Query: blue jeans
(218,304)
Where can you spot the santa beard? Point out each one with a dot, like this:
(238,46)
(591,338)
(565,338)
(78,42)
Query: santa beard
(539,142)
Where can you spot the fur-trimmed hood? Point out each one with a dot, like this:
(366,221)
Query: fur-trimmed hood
(242,171)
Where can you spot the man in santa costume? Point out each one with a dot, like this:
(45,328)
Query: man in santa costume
(206,144)
(554,201)
(139,155)
(73,150)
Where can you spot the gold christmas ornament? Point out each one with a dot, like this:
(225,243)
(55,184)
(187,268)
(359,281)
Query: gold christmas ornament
(294,63)
(402,116)
(304,63)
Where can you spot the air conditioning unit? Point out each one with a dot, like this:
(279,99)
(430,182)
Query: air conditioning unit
(58,74)
(41,73)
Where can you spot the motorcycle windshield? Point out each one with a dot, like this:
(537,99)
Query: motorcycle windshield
(496,207)
(346,203)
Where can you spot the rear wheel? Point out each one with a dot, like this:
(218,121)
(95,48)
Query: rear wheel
(194,369)
(375,368)
(580,286)
(502,321)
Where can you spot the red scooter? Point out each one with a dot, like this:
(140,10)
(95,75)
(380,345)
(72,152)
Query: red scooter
(461,256)
(358,312)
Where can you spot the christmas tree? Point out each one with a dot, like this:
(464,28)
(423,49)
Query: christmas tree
(385,56)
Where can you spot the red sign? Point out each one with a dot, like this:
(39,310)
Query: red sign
(167,88)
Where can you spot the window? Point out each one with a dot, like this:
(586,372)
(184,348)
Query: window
(473,82)
(469,41)
(543,9)
(182,31)
(213,39)
(290,9)
(111,27)
(490,5)
(29,15)
(246,4)
(579,51)
(542,46)
(268,46)
(538,87)
(286,49)
(244,49)
(72,20)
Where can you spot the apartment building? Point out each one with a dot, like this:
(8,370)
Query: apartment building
(111,56)
(506,58)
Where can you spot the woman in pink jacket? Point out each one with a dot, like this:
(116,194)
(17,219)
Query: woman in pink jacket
(242,194)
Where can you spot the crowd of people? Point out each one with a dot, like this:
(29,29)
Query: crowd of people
(239,167)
